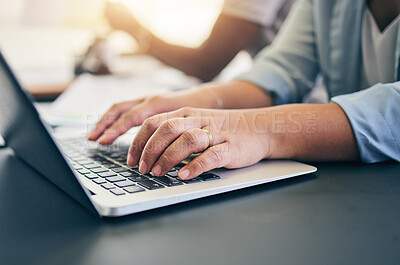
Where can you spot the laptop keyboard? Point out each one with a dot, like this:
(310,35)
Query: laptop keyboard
(106,167)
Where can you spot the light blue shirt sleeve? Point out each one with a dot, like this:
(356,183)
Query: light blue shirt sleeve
(288,68)
(374,116)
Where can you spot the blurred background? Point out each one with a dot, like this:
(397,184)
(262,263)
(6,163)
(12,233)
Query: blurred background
(42,38)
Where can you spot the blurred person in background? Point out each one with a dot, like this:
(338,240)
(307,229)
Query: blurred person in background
(242,25)
(355,45)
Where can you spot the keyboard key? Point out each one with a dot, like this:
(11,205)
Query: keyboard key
(119,169)
(74,156)
(208,176)
(133,189)
(124,183)
(106,153)
(111,165)
(84,171)
(121,159)
(91,176)
(127,173)
(99,169)
(98,158)
(173,174)
(80,158)
(107,174)
(108,186)
(114,155)
(168,181)
(115,179)
(85,162)
(149,184)
(193,180)
(89,166)
(137,178)
(77,167)
(99,181)
(117,192)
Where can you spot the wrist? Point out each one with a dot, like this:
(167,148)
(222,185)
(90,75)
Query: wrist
(199,97)
(259,122)
(143,38)
(274,133)
(210,96)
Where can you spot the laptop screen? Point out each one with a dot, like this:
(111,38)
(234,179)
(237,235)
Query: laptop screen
(25,133)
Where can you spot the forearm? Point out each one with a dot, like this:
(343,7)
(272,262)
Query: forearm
(232,95)
(229,36)
(192,61)
(311,132)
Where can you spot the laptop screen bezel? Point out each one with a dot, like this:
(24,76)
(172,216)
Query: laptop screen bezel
(23,130)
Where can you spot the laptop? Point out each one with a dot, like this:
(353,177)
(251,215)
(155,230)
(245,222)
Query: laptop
(97,177)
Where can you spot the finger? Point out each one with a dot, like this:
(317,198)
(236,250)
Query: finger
(163,136)
(191,141)
(136,116)
(148,128)
(214,157)
(127,120)
(110,117)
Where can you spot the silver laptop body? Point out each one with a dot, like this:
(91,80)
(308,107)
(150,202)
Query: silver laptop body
(35,143)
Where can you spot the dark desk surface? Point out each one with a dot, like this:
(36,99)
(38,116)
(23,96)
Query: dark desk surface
(346,213)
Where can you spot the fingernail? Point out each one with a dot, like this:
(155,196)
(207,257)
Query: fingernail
(184,174)
(102,139)
(129,160)
(142,166)
(90,135)
(157,170)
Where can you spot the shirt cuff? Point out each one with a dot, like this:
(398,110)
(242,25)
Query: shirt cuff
(373,114)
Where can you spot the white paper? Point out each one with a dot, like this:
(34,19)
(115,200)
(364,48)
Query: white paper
(84,102)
